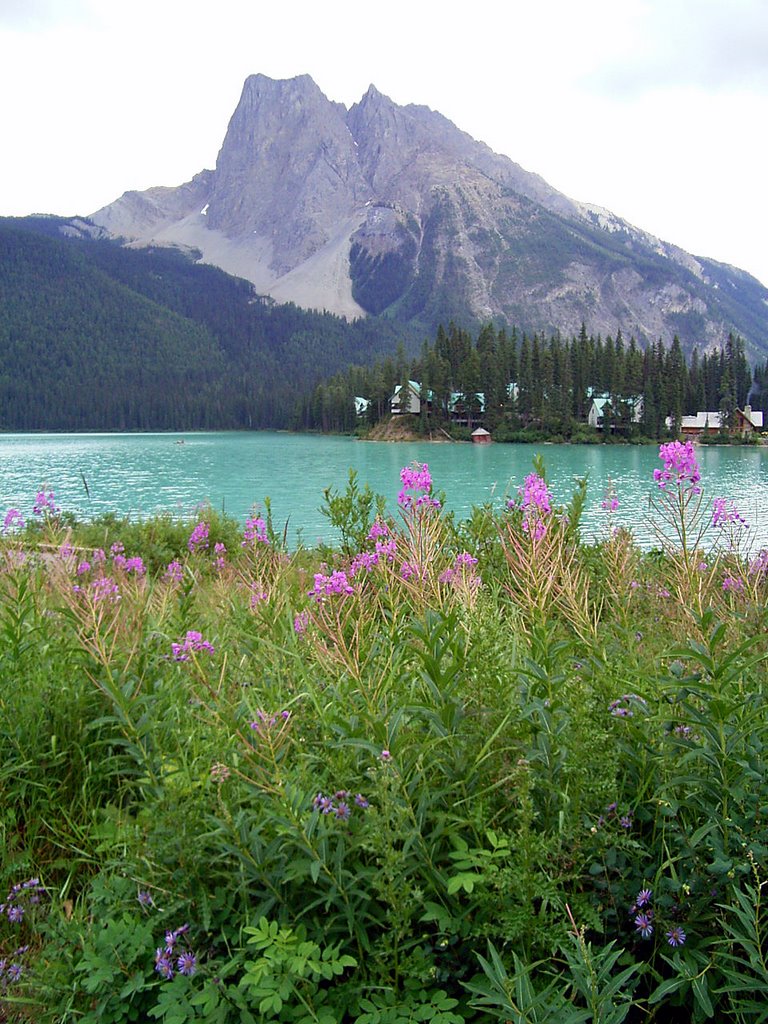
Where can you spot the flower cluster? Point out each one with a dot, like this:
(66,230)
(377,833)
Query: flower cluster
(339,804)
(258,595)
(643,918)
(174,572)
(680,467)
(536,505)
(11,970)
(326,586)
(175,955)
(725,513)
(612,813)
(365,561)
(263,722)
(416,478)
(13,520)
(198,538)
(733,585)
(759,564)
(102,590)
(379,529)
(191,644)
(21,896)
(626,705)
(462,571)
(45,504)
(300,622)
(219,556)
(255,532)
(133,565)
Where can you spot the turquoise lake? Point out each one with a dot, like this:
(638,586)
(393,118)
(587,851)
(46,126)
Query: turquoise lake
(141,474)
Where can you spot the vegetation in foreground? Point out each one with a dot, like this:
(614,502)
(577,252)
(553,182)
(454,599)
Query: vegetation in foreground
(446,772)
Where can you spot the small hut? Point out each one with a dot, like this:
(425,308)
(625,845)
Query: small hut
(481,436)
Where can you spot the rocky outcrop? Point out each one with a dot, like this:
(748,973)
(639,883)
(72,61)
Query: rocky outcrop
(388,209)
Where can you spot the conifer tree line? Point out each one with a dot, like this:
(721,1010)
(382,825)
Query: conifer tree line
(512,382)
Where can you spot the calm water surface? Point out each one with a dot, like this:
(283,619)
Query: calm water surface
(140,474)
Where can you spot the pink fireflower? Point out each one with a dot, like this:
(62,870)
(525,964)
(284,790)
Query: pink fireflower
(536,504)
(725,513)
(325,586)
(680,467)
(416,478)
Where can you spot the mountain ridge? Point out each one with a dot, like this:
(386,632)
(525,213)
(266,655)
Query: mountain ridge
(382,209)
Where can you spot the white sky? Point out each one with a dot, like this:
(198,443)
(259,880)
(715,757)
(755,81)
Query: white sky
(655,109)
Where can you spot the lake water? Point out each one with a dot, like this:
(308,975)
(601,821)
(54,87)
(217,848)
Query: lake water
(140,474)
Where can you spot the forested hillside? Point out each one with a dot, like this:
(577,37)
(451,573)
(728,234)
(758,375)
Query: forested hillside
(94,336)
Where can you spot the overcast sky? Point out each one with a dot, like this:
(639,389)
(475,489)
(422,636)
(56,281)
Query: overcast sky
(655,109)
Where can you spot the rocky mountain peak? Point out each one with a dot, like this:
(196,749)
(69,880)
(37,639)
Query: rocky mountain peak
(393,208)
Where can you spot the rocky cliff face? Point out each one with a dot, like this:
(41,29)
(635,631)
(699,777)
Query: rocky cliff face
(387,208)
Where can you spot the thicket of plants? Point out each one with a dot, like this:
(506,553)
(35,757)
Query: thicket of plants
(446,771)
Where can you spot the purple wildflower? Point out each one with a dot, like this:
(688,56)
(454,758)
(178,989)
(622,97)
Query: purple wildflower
(325,586)
(45,504)
(342,810)
(644,897)
(13,520)
(644,925)
(387,548)
(199,537)
(14,972)
(104,588)
(364,560)
(164,964)
(255,532)
(626,821)
(536,505)
(324,804)
(379,529)
(733,585)
(300,622)
(416,478)
(725,513)
(676,936)
(362,802)
(83,568)
(680,467)
(191,644)
(145,899)
(187,963)
(15,914)
(385,756)
(174,572)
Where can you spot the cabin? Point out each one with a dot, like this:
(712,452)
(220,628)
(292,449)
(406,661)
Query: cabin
(408,401)
(481,436)
(748,421)
(702,423)
(463,407)
(631,405)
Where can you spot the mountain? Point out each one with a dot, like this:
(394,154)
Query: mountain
(388,210)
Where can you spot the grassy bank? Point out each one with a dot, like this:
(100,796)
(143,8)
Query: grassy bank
(446,772)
